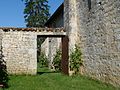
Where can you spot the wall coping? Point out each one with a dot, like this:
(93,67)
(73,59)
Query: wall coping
(40,31)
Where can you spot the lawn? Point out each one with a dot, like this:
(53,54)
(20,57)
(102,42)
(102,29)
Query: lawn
(55,81)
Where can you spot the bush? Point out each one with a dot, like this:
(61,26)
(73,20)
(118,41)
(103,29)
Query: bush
(42,60)
(3,74)
(75,60)
(57,60)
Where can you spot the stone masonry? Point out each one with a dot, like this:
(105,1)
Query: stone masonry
(19,48)
(97,23)
(0,45)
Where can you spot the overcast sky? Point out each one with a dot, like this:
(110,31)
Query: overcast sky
(11,12)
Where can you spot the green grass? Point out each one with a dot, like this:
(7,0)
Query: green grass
(55,81)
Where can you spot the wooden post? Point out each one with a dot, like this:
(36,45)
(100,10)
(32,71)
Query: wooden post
(65,56)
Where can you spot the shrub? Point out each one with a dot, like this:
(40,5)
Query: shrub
(57,60)
(42,60)
(3,74)
(75,59)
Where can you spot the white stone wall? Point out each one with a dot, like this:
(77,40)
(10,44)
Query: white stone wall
(20,52)
(45,47)
(0,44)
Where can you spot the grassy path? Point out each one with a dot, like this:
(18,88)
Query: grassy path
(55,81)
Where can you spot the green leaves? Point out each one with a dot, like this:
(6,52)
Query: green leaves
(75,59)
(57,60)
(36,12)
(3,73)
(42,60)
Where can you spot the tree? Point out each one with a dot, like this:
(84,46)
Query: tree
(36,12)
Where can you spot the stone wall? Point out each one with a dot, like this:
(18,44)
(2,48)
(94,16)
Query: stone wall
(98,28)
(70,22)
(0,44)
(19,50)
(45,47)
(19,47)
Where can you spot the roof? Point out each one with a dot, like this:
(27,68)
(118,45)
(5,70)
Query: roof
(59,9)
(32,29)
(54,32)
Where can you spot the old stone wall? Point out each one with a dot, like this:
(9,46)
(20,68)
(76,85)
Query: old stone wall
(98,28)
(70,22)
(19,47)
(45,47)
(19,50)
(0,44)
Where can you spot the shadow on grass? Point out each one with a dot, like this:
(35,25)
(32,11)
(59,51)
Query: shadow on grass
(46,72)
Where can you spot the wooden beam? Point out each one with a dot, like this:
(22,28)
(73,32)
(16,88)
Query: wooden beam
(65,56)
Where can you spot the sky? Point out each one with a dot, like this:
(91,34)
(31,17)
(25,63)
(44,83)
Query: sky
(11,12)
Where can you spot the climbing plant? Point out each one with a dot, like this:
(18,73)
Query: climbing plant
(75,59)
(57,60)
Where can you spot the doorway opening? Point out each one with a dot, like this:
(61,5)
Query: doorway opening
(49,49)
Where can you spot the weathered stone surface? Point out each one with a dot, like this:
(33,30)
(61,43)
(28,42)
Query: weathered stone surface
(99,34)
(0,44)
(19,50)
(19,47)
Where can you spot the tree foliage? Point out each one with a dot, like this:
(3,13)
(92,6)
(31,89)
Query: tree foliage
(36,12)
